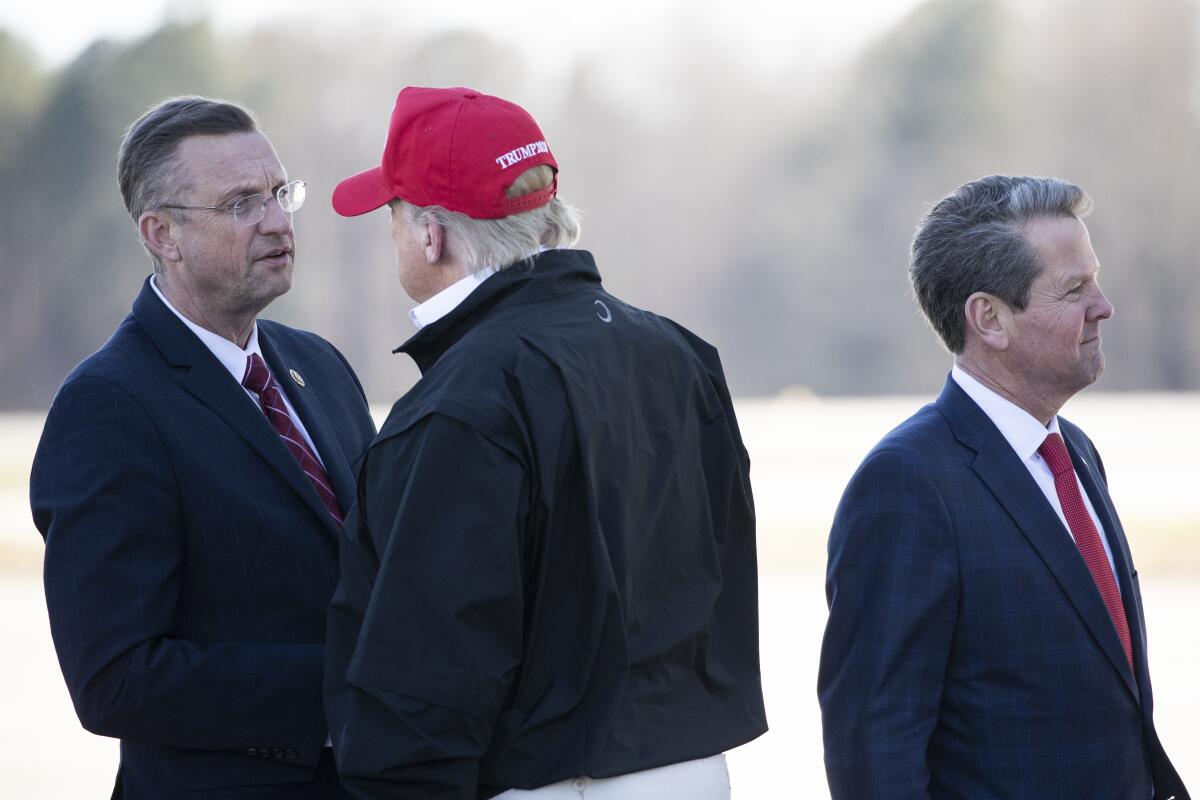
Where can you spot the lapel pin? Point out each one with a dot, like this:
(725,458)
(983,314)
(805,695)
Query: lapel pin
(296,376)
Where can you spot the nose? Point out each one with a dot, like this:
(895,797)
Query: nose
(275,220)
(1102,308)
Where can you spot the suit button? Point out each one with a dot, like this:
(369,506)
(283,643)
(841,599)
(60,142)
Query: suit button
(290,755)
(277,753)
(253,751)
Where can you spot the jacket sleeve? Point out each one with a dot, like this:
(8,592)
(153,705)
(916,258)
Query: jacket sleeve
(105,497)
(426,626)
(892,588)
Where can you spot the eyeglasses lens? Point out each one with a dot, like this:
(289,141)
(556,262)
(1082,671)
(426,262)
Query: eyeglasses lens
(251,210)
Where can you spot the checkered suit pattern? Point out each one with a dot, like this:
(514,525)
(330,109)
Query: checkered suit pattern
(968,653)
(189,560)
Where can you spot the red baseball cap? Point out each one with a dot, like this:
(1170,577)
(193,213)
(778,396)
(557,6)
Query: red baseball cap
(454,148)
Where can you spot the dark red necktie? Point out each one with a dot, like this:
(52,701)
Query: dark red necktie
(259,380)
(1087,538)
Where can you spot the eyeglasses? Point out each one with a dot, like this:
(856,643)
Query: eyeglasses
(251,209)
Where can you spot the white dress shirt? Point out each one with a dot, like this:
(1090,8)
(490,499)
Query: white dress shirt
(448,299)
(1025,435)
(233,358)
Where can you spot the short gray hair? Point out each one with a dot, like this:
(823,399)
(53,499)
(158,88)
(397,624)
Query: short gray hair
(147,170)
(501,243)
(973,240)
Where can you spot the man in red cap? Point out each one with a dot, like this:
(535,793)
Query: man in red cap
(549,581)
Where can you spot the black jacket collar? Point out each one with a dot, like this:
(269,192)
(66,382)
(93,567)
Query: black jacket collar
(552,272)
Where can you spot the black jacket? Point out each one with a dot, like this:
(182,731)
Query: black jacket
(551,569)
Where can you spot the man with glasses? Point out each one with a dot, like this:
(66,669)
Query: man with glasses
(191,480)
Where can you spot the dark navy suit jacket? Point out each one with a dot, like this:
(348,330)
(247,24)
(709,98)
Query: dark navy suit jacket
(189,561)
(968,653)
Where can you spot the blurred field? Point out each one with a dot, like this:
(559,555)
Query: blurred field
(803,450)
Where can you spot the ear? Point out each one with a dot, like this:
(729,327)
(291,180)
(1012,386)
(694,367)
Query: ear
(158,232)
(987,319)
(434,241)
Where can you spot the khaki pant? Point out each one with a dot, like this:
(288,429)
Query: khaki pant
(702,779)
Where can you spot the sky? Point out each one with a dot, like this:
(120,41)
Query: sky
(768,35)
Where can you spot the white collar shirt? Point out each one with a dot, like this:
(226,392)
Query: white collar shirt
(233,358)
(1025,435)
(448,299)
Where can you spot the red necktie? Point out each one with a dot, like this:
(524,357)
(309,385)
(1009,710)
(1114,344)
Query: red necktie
(1087,538)
(259,380)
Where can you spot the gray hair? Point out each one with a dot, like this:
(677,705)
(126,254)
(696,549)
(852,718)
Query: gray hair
(501,243)
(147,170)
(973,240)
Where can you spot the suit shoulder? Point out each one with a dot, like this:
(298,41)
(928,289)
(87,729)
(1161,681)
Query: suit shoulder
(85,390)
(921,451)
(307,348)
(120,361)
(914,438)
(277,331)
(1074,432)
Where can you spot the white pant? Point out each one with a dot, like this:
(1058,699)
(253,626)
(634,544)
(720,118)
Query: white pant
(702,779)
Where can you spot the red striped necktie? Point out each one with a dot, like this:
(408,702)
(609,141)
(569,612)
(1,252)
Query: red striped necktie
(259,380)
(1087,538)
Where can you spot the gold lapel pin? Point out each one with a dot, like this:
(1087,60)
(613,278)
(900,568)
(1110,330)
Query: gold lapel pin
(296,377)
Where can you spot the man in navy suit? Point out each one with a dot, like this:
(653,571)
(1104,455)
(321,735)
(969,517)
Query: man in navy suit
(986,636)
(191,479)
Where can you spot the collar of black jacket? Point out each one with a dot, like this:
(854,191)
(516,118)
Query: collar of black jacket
(551,272)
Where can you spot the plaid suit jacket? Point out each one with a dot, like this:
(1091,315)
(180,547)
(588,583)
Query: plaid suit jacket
(968,653)
(188,560)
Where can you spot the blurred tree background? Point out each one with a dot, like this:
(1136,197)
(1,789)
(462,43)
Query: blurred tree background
(771,216)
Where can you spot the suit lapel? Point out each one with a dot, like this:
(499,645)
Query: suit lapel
(209,382)
(998,466)
(305,399)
